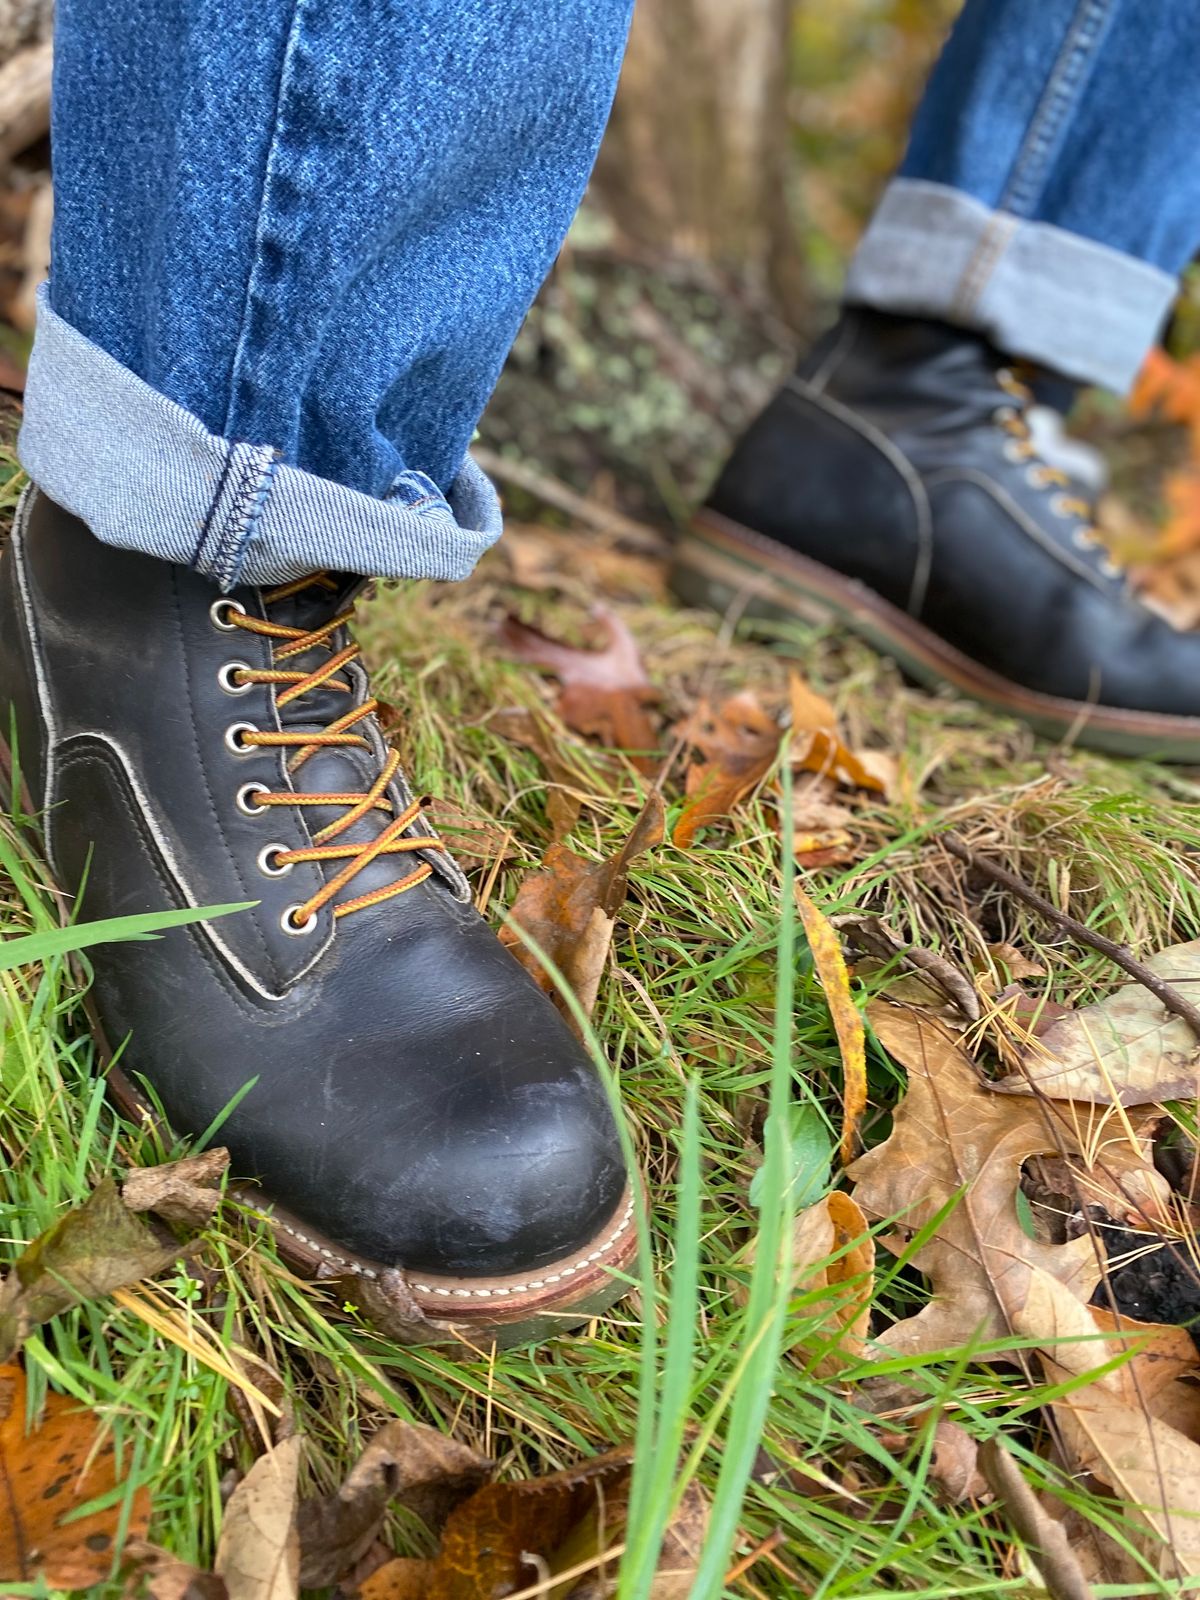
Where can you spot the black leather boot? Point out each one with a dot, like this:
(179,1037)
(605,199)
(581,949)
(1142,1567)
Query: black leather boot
(892,485)
(417,1102)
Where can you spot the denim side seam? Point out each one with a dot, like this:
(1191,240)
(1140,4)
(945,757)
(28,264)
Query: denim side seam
(237,507)
(1067,80)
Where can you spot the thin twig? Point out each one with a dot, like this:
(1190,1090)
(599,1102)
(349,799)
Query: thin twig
(554,493)
(1116,953)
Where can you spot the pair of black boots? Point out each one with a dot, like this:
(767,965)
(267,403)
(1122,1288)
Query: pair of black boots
(415,1101)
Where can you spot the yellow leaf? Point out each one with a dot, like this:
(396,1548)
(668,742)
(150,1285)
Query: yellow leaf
(847,1024)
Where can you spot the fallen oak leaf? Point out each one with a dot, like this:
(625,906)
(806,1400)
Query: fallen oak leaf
(738,743)
(93,1249)
(426,1471)
(186,1191)
(1153,1467)
(604,693)
(1125,1049)
(258,1551)
(569,908)
(45,1476)
(954,1143)
(847,1023)
(1162,1370)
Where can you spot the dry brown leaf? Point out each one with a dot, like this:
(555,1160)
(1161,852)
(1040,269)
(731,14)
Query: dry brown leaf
(154,1574)
(509,1536)
(840,1289)
(1127,1048)
(951,1136)
(738,743)
(1162,1373)
(816,745)
(604,693)
(401,1579)
(258,1552)
(954,1462)
(45,1476)
(1153,1467)
(569,908)
(847,1023)
(184,1191)
(93,1249)
(420,1468)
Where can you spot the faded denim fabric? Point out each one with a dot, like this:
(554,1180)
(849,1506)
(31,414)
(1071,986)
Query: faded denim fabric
(1051,190)
(313,228)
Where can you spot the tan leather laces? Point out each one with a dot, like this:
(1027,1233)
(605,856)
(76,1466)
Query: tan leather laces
(290,684)
(1043,476)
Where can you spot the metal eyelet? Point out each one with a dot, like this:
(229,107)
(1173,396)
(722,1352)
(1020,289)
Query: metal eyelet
(1016,451)
(1035,477)
(226,674)
(297,929)
(267,864)
(217,611)
(233,744)
(243,799)
(1083,538)
(1110,569)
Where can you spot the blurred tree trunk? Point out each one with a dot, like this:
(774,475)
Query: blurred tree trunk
(694,161)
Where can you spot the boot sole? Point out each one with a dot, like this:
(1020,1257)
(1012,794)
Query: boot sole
(514,1309)
(720,564)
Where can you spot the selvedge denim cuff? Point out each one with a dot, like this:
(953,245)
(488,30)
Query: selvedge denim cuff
(1036,291)
(146,475)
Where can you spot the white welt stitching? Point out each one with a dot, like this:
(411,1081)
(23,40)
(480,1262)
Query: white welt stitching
(462,1294)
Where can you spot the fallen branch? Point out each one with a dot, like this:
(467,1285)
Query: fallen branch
(1116,953)
(553,493)
(24,99)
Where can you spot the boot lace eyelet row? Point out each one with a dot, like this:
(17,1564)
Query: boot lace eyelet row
(288,684)
(1019,447)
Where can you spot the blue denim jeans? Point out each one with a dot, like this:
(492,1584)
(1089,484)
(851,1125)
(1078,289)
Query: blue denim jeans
(1051,190)
(294,241)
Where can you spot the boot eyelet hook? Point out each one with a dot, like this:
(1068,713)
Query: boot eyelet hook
(225,677)
(245,799)
(218,612)
(233,740)
(269,865)
(297,929)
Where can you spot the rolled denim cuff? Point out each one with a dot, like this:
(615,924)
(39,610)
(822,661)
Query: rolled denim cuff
(1036,291)
(145,474)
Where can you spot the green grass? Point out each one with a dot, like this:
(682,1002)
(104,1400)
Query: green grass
(706,1033)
